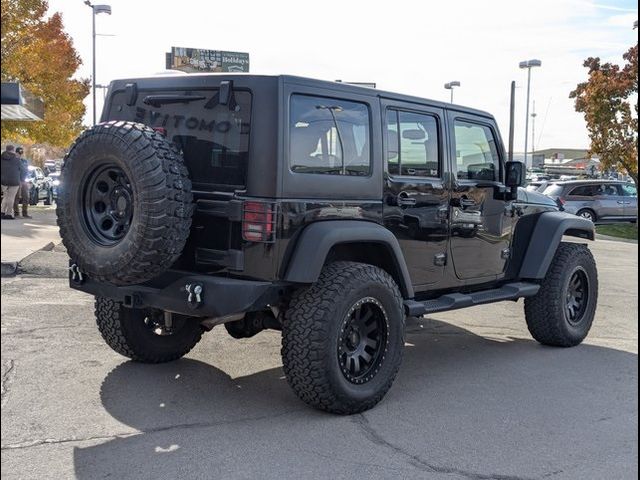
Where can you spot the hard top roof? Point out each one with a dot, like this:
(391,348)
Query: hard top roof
(337,86)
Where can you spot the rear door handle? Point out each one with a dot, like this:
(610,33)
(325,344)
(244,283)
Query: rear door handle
(406,201)
(467,202)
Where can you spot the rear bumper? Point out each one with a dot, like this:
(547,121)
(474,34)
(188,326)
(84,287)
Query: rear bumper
(219,297)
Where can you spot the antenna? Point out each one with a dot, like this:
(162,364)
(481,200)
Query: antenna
(512,119)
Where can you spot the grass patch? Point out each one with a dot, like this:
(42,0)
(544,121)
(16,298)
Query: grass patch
(628,231)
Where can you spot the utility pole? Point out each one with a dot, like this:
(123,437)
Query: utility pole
(533,129)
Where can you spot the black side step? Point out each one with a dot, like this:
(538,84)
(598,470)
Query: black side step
(453,301)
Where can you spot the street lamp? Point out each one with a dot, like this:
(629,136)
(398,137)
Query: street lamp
(450,86)
(528,64)
(96,10)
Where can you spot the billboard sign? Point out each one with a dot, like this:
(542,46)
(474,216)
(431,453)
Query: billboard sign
(195,60)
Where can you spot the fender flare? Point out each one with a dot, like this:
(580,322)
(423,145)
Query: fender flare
(546,237)
(316,240)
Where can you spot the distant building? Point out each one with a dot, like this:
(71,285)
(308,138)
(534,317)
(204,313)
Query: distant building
(567,161)
(19,104)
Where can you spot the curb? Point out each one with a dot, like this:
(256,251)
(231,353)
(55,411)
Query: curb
(599,236)
(10,269)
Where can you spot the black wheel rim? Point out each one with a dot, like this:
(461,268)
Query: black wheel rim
(363,340)
(577,297)
(108,205)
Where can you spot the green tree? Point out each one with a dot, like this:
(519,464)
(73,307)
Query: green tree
(38,53)
(612,121)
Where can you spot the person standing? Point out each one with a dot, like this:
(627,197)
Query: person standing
(10,169)
(23,191)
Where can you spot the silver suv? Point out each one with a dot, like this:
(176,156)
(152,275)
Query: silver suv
(597,200)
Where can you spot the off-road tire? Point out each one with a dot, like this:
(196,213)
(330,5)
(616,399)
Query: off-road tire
(125,332)
(545,312)
(162,202)
(310,335)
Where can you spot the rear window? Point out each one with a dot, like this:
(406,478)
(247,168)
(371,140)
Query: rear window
(213,138)
(554,190)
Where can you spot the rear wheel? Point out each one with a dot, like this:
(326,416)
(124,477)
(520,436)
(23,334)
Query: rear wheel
(342,338)
(144,335)
(562,312)
(588,214)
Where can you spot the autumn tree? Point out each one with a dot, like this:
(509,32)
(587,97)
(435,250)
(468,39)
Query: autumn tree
(38,53)
(612,121)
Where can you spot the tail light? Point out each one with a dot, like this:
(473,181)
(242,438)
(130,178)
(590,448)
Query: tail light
(561,201)
(258,222)
(161,131)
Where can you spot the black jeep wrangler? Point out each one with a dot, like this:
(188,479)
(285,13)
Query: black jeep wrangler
(328,211)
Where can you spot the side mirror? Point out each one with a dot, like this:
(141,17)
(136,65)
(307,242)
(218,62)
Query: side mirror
(515,175)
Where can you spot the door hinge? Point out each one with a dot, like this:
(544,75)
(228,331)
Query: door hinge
(440,259)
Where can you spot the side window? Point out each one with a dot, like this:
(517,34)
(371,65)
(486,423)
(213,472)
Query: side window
(629,190)
(413,144)
(477,155)
(583,191)
(329,136)
(608,190)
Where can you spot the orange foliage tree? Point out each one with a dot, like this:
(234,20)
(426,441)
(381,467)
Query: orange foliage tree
(38,53)
(606,101)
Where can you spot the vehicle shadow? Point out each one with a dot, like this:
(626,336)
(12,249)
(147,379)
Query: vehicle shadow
(459,403)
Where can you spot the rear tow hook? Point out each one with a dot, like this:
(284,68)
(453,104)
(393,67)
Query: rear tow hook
(194,298)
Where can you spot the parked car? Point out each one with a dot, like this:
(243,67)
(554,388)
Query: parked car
(597,200)
(40,186)
(55,183)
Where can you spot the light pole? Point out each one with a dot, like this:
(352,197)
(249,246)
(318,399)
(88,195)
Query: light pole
(450,86)
(96,9)
(528,64)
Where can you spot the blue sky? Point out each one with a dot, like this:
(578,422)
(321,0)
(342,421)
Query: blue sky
(407,46)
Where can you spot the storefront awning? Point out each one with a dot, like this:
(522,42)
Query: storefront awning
(20,104)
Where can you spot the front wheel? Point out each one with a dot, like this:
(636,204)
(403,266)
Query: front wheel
(342,338)
(562,312)
(145,335)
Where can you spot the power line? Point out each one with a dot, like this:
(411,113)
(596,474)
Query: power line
(544,122)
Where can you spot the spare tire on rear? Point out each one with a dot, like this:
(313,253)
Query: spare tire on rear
(125,212)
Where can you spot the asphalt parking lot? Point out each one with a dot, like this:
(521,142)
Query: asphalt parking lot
(476,398)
